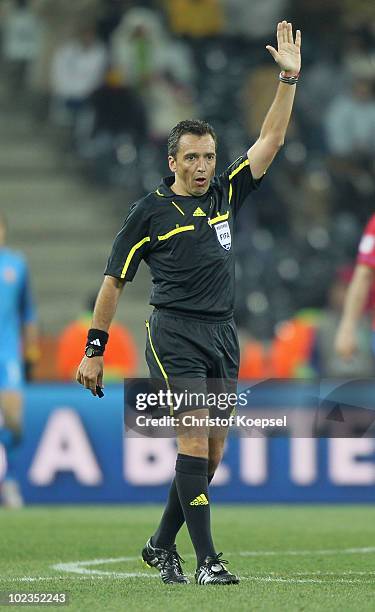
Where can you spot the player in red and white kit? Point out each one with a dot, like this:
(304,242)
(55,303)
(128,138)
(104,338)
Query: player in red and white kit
(357,296)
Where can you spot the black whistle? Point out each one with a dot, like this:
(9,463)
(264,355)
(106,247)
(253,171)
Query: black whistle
(99,391)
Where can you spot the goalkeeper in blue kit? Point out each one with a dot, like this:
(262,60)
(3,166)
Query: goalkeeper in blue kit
(18,343)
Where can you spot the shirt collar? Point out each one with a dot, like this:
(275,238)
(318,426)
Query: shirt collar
(164,190)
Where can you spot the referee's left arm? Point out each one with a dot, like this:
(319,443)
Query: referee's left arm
(272,134)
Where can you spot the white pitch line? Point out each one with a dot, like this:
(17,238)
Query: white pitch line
(338,573)
(101,561)
(307,580)
(81,571)
(341,577)
(75,577)
(302,553)
(80,566)
(268,578)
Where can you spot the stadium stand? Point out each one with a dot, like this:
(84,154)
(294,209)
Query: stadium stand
(304,223)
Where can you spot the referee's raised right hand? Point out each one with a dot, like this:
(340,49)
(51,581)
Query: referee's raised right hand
(90,373)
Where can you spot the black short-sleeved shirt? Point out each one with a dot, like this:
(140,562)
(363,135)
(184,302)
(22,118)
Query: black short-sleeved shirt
(187,242)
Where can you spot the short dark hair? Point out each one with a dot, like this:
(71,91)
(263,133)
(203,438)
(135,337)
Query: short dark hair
(188,126)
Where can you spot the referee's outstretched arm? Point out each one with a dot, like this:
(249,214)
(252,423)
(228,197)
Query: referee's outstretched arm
(272,134)
(90,370)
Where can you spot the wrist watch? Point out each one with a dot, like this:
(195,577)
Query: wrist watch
(91,351)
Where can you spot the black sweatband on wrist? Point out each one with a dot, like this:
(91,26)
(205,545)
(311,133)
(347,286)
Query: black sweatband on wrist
(97,339)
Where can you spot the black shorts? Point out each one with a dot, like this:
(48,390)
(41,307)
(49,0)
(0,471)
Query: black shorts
(200,356)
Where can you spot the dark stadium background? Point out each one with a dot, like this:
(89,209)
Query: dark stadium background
(78,147)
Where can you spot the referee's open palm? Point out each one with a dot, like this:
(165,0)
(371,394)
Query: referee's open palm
(288,54)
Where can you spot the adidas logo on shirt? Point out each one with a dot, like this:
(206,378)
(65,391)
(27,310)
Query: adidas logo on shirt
(199,212)
(200,500)
(96,342)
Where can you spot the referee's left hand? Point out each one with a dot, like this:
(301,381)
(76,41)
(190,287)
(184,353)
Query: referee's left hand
(90,373)
(288,53)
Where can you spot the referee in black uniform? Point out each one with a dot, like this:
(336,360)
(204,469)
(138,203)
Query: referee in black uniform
(184,232)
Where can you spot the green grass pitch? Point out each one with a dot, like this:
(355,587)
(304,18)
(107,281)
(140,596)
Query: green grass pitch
(289,558)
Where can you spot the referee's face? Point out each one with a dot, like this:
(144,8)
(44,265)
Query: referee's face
(194,164)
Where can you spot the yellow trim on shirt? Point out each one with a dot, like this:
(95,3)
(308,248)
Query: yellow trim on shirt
(178,208)
(131,253)
(223,217)
(240,167)
(236,171)
(184,228)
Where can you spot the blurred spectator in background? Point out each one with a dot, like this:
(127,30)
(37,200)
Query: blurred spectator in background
(118,108)
(18,344)
(60,20)
(350,133)
(316,95)
(143,50)
(357,13)
(292,346)
(287,355)
(358,54)
(111,14)
(21,32)
(350,121)
(195,19)
(121,359)
(114,114)
(253,20)
(361,293)
(324,17)
(77,69)
(158,67)
(255,106)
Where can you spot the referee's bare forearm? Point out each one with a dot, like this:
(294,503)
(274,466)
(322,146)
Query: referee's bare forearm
(277,119)
(106,303)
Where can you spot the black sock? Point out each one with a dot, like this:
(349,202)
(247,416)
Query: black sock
(172,520)
(192,488)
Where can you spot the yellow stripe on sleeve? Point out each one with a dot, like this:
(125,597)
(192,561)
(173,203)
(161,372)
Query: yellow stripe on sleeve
(240,167)
(131,253)
(233,174)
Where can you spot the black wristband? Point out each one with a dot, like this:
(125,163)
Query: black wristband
(289,80)
(97,339)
